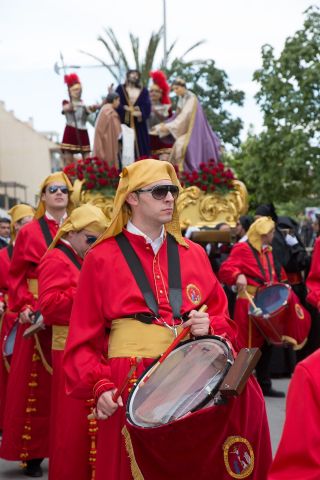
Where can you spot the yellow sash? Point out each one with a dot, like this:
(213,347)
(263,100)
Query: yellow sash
(33,286)
(59,336)
(132,338)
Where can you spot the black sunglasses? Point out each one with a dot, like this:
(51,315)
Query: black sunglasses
(90,239)
(55,188)
(159,192)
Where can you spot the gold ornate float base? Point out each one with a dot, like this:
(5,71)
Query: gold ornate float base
(196,208)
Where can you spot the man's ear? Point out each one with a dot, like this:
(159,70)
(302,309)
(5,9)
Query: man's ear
(132,199)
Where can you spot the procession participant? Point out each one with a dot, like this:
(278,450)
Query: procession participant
(160,111)
(298,455)
(107,131)
(115,320)
(26,418)
(59,272)
(20,214)
(195,141)
(4,232)
(75,136)
(134,110)
(250,265)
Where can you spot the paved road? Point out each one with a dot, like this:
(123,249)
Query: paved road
(275,409)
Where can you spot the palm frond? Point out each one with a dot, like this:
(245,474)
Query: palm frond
(135,44)
(150,54)
(201,42)
(117,46)
(108,67)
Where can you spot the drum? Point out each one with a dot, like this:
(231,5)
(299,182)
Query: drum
(283,319)
(187,380)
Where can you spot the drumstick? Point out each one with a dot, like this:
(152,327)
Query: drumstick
(121,389)
(173,345)
(256,310)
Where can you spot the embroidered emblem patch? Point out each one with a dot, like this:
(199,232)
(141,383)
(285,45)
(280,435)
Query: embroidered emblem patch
(238,457)
(299,311)
(193,294)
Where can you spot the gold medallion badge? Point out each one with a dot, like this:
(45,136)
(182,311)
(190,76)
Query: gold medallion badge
(299,311)
(238,457)
(193,294)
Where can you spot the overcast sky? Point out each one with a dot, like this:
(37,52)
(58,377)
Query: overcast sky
(33,32)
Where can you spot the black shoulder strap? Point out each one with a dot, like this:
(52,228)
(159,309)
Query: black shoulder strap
(70,254)
(45,230)
(137,271)
(10,250)
(174,274)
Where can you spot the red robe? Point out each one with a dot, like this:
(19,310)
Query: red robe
(26,422)
(313,280)
(8,320)
(107,291)
(298,454)
(242,261)
(69,437)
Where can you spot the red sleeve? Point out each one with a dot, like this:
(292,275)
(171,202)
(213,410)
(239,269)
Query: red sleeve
(4,271)
(83,361)
(298,455)
(313,280)
(232,267)
(57,287)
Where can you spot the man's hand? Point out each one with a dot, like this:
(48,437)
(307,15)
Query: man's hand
(241,283)
(163,129)
(25,315)
(199,323)
(106,406)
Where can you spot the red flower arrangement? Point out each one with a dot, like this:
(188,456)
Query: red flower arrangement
(97,174)
(211,177)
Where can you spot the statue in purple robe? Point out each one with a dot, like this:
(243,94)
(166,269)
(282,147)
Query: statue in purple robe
(195,141)
(134,111)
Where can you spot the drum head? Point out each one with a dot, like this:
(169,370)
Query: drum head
(9,340)
(270,299)
(187,379)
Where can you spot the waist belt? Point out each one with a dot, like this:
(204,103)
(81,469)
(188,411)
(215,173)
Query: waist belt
(250,289)
(33,286)
(132,338)
(59,336)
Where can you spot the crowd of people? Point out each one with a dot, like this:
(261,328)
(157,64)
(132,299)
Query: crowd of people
(89,304)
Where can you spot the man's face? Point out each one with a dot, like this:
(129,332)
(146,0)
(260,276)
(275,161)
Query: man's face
(5,229)
(150,211)
(116,103)
(76,91)
(155,94)
(82,241)
(24,221)
(133,78)
(56,196)
(179,90)
(267,239)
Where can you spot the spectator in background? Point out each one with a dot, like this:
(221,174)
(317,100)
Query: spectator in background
(243,225)
(4,232)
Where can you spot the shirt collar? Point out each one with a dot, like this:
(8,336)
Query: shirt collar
(50,217)
(155,244)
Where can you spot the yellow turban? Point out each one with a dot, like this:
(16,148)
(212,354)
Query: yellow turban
(262,226)
(134,177)
(57,177)
(18,212)
(87,217)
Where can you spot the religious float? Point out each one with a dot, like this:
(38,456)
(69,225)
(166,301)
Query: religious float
(211,195)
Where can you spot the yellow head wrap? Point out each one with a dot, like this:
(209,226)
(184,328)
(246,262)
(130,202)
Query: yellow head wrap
(57,177)
(262,226)
(87,217)
(134,177)
(17,213)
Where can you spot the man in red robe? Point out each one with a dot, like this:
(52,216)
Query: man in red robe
(59,271)
(20,215)
(298,454)
(114,321)
(250,265)
(26,422)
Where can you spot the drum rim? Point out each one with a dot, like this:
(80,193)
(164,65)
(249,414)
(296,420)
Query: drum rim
(208,397)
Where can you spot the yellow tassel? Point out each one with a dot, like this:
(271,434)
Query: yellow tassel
(135,470)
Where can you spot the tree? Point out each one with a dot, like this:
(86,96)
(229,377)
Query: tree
(282,163)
